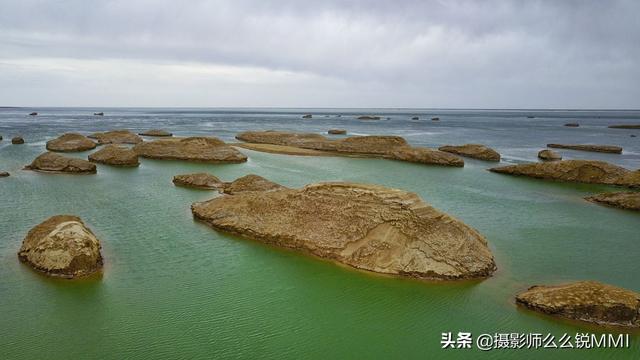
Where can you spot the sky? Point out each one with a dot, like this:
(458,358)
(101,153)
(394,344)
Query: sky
(331,53)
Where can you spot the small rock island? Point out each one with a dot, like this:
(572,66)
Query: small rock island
(55,163)
(116,156)
(476,151)
(200,149)
(71,142)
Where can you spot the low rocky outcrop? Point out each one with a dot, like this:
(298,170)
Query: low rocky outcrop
(622,200)
(583,171)
(70,142)
(475,151)
(435,119)
(250,183)
(415,118)
(156,132)
(198,180)
(0,137)
(549,155)
(572,125)
(17,140)
(33,113)
(388,147)
(116,137)
(56,163)
(367,227)
(99,113)
(625,126)
(307,116)
(368,117)
(115,155)
(202,149)
(588,301)
(4,174)
(337,132)
(593,148)
(62,246)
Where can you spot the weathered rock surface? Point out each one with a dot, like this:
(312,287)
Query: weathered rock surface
(203,149)
(549,155)
(198,180)
(250,183)
(99,113)
(307,116)
(17,140)
(475,151)
(337,131)
(4,174)
(584,171)
(368,117)
(156,132)
(415,118)
(592,148)
(572,125)
(70,142)
(33,113)
(623,200)
(435,119)
(56,163)
(367,227)
(115,155)
(389,147)
(625,126)
(62,246)
(588,301)
(116,137)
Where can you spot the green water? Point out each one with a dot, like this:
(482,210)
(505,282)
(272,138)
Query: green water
(174,288)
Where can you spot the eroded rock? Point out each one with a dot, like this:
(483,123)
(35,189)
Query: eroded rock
(625,126)
(337,132)
(17,140)
(549,155)
(623,200)
(202,149)
(250,183)
(156,132)
(70,142)
(199,181)
(116,137)
(588,301)
(56,163)
(62,246)
(593,148)
(584,171)
(4,174)
(475,151)
(115,155)
(367,227)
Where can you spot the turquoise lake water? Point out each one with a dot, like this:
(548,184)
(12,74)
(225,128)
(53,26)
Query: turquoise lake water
(175,288)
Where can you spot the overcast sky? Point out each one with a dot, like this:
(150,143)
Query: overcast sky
(462,54)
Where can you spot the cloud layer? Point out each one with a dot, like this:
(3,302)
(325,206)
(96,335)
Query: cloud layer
(490,54)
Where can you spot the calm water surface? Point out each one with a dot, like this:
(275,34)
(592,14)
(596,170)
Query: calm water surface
(174,288)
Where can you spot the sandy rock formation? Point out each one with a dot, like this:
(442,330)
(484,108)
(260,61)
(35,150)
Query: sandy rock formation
(549,155)
(388,147)
(56,163)
(203,149)
(307,116)
(62,246)
(584,171)
(475,151)
(4,174)
(368,117)
(116,137)
(623,200)
(593,148)
(249,183)
(625,126)
(70,142)
(588,301)
(572,125)
(337,132)
(156,132)
(17,140)
(198,180)
(367,227)
(115,155)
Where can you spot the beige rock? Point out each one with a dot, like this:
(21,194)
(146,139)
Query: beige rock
(337,132)
(17,140)
(71,142)
(572,125)
(367,227)
(4,174)
(198,180)
(549,155)
(115,155)
(623,200)
(389,147)
(368,117)
(62,246)
(592,148)
(203,149)
(156,132)
(584,171)
(475,151)
(588,301)
(56,163)
(116,137)
(250,183)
